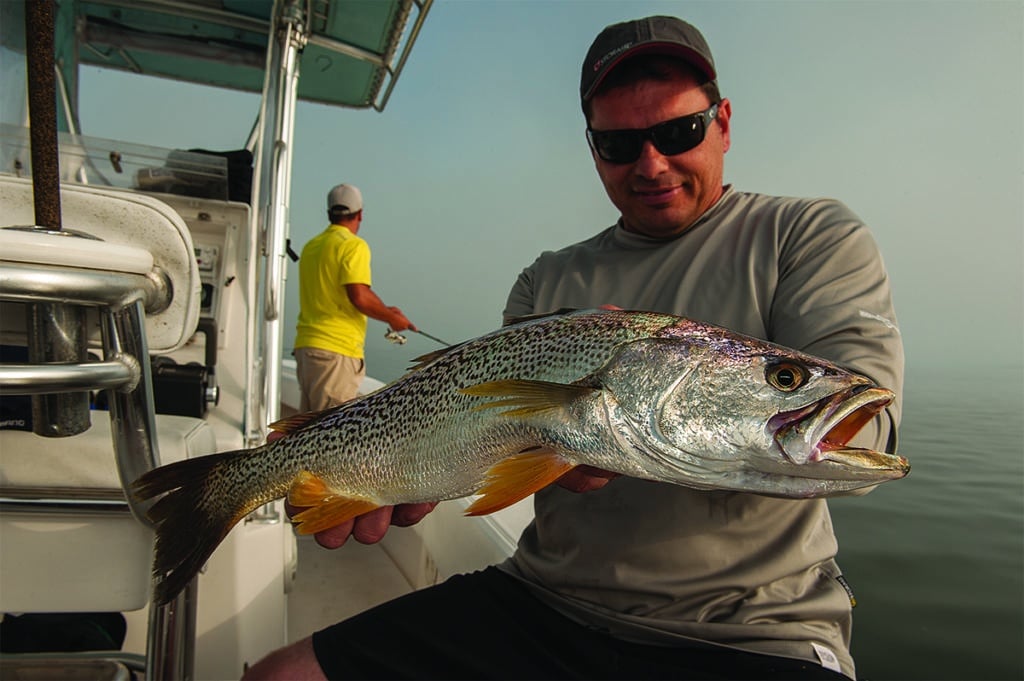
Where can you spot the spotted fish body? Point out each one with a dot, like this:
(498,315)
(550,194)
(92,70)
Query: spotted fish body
(650,395)
(423,439)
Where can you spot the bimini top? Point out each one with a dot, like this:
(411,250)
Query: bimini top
(351,57)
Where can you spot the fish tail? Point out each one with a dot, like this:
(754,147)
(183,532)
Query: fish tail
(203,498)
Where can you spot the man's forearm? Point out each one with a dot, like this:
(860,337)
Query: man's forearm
(369,303)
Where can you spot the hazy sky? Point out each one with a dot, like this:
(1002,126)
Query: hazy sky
(910,112)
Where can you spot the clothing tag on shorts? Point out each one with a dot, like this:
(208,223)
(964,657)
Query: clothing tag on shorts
(849,592)
(827,657)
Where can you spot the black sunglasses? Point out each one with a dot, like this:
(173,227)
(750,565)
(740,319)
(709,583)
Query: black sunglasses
(669,137)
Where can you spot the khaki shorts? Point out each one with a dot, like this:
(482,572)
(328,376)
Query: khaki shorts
(326,379)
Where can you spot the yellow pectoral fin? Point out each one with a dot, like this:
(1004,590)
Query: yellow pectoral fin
(528,397)
(323,507)
(517,477)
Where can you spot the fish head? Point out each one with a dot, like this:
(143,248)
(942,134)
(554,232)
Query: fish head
(718,410)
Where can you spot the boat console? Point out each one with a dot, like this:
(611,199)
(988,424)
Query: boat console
(67,531)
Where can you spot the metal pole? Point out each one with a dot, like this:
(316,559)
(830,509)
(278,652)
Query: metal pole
(56,332)
(42,110)
(170,645)
(280,93)
(132,406)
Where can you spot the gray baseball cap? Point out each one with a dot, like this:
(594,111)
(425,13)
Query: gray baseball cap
(650,35)
(347,196)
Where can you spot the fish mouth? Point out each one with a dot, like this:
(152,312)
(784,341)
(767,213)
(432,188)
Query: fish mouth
(816,437)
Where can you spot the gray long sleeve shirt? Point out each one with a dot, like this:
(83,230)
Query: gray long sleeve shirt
(663,564)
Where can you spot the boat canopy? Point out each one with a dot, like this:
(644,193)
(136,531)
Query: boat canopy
(351,56)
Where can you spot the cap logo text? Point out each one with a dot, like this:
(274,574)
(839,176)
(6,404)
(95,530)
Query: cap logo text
(600,62)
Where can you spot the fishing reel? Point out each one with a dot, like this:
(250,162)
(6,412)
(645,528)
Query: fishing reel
(398,338)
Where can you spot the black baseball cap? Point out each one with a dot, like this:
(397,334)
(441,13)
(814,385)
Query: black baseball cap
(651,35)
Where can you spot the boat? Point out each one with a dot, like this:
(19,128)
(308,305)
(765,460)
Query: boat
(141,293)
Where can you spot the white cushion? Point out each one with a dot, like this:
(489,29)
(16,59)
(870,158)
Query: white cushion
(87,460)
(81,562)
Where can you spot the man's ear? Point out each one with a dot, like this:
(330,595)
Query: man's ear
(723,119)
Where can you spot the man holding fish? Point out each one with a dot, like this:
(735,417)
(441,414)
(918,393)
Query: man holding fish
(642,579)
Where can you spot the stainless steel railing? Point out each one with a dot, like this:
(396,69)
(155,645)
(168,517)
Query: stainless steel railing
(122,301)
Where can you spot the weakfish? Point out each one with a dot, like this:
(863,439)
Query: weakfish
(642,394)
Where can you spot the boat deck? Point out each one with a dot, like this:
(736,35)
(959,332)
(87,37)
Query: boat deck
(332,585)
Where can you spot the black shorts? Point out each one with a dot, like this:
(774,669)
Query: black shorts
(487,625)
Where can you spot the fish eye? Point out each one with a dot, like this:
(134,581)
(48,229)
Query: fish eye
(786,376)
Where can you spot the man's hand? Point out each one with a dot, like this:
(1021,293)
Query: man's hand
(398,321)
(370,528)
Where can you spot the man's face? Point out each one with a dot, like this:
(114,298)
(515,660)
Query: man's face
(661,196)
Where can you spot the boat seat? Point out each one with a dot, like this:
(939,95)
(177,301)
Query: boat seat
(124,222)
(123,271)
(42,565)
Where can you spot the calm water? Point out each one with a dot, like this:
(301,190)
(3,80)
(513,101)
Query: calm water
(936,560)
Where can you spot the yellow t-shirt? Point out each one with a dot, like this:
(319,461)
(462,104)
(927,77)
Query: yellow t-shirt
(327,318)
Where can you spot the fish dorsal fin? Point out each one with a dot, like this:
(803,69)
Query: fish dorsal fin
(426,359)
(297,421)
(517,477)
(324,507)
(540,315)
(527,397)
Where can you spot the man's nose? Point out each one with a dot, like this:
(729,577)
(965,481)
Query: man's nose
(651,162)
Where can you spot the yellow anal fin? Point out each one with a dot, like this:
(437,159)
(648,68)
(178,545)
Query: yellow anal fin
(323,507)
(527,397)
(517,477)
(296,421)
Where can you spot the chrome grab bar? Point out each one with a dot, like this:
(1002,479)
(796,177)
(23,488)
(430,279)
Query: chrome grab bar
(33,496)
(42,379)
(123,300)
(31,283)
(125,370)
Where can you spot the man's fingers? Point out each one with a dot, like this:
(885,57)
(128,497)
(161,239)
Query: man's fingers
(371,527)
(331,538)
(586,479)
(335,537)
(410,514)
